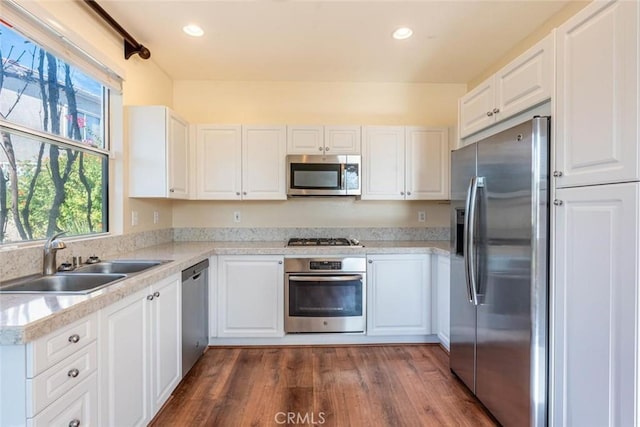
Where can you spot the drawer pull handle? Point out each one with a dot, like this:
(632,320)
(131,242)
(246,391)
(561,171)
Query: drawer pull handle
(74,338)
(150,297)
(73,373)
(156,294)
(74,423)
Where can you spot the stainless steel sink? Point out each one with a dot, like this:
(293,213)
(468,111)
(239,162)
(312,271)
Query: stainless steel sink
(63,283)
(118,266)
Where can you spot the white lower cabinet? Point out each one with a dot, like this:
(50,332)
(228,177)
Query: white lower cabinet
(398,294)
(594,367)
(250,296)
(141,353)
(52,380)
(441,299)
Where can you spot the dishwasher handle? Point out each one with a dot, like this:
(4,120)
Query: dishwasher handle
(195,270)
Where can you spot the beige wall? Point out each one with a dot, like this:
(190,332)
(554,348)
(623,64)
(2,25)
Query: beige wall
(565,13)
(314,103)
(313,212)
(317,102)
(145,84)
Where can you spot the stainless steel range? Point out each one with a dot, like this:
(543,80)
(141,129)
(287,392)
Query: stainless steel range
(322,241)
(325,294)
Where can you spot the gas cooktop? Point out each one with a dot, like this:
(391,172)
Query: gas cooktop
(322,241)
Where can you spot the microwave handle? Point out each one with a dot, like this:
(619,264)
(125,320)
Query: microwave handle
(343,177)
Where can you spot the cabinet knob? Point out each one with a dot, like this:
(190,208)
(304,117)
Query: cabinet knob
(489,113)
(74,423)
(156,294)
(279,262)
(172,190)
(408,193)
(73,373)
(244,193)
(557,174)
(150,297)
(326,149)
(74,338)
(496,110)
(320,149)
(557,202)
(370,261)
(237,193)
(402,193)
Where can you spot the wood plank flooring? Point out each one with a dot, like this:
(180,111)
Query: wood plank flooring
(351,386)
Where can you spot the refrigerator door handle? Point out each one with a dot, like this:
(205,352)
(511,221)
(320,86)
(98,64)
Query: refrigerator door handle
(467,238)
(470,250)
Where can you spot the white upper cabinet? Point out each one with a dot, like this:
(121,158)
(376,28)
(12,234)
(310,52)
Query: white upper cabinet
(236,162)
(426,163)
(218,162)
(264,163)
(405,163)
(158,153)
(523,83)
(597,96)
(323,140)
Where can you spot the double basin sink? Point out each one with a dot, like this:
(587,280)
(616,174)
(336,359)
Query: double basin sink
(83,280)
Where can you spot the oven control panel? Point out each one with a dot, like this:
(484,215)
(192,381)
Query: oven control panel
(325,265)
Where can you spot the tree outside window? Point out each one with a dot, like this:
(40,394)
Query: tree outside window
(47,185)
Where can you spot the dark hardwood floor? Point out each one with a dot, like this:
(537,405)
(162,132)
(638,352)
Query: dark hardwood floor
(358,386)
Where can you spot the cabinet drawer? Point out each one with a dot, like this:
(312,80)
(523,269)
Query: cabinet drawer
(78,407)
(60,378)
(52,348)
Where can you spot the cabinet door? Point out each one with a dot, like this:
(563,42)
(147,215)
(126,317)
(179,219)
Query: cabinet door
(305,139)
(427,163)
(342,140)
(476,108)
(178,156)
(125,359)
(250,296)
(383,163)
(263,163)
(166,340)
(147,139)
(597,95)
(527,80)
(399,295)
(442,301)
(218,162)
(594,314)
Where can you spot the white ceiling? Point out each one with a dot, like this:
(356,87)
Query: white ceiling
(453,42)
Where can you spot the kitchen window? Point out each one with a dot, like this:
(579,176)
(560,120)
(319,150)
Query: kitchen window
(54,157)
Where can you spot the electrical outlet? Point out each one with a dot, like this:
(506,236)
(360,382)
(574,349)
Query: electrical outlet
(236,216)
(422,216)
(156,217)
(134,218)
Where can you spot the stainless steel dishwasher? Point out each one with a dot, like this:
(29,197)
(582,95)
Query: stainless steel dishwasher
(195,338)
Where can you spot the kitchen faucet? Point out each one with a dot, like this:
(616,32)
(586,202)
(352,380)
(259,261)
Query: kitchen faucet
(51,246)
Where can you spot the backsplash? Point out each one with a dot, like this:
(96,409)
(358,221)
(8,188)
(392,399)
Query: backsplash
(17,262)
(283,234)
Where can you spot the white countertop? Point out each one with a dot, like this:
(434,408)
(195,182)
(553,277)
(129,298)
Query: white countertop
(26,317)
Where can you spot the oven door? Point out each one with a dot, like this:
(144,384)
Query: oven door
(325,303)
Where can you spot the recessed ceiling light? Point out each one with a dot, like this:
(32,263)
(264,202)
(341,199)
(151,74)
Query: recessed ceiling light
(402,33)
(193,30)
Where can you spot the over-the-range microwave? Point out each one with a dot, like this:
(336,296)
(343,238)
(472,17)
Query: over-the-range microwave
(317,175)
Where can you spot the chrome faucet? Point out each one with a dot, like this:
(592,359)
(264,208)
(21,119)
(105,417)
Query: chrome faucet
(51,246)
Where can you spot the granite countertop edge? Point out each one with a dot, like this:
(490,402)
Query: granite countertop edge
(182,255)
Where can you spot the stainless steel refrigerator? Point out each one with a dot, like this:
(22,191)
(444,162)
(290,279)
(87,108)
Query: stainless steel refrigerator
(499,271)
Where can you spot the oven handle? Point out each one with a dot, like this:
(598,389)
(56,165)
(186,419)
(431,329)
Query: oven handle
(324,278)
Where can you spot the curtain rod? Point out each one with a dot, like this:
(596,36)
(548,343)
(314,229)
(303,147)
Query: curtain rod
(131,46)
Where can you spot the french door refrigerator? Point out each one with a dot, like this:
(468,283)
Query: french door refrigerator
(499,271)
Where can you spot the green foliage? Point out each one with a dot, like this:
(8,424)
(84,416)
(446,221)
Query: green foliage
(73,212)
